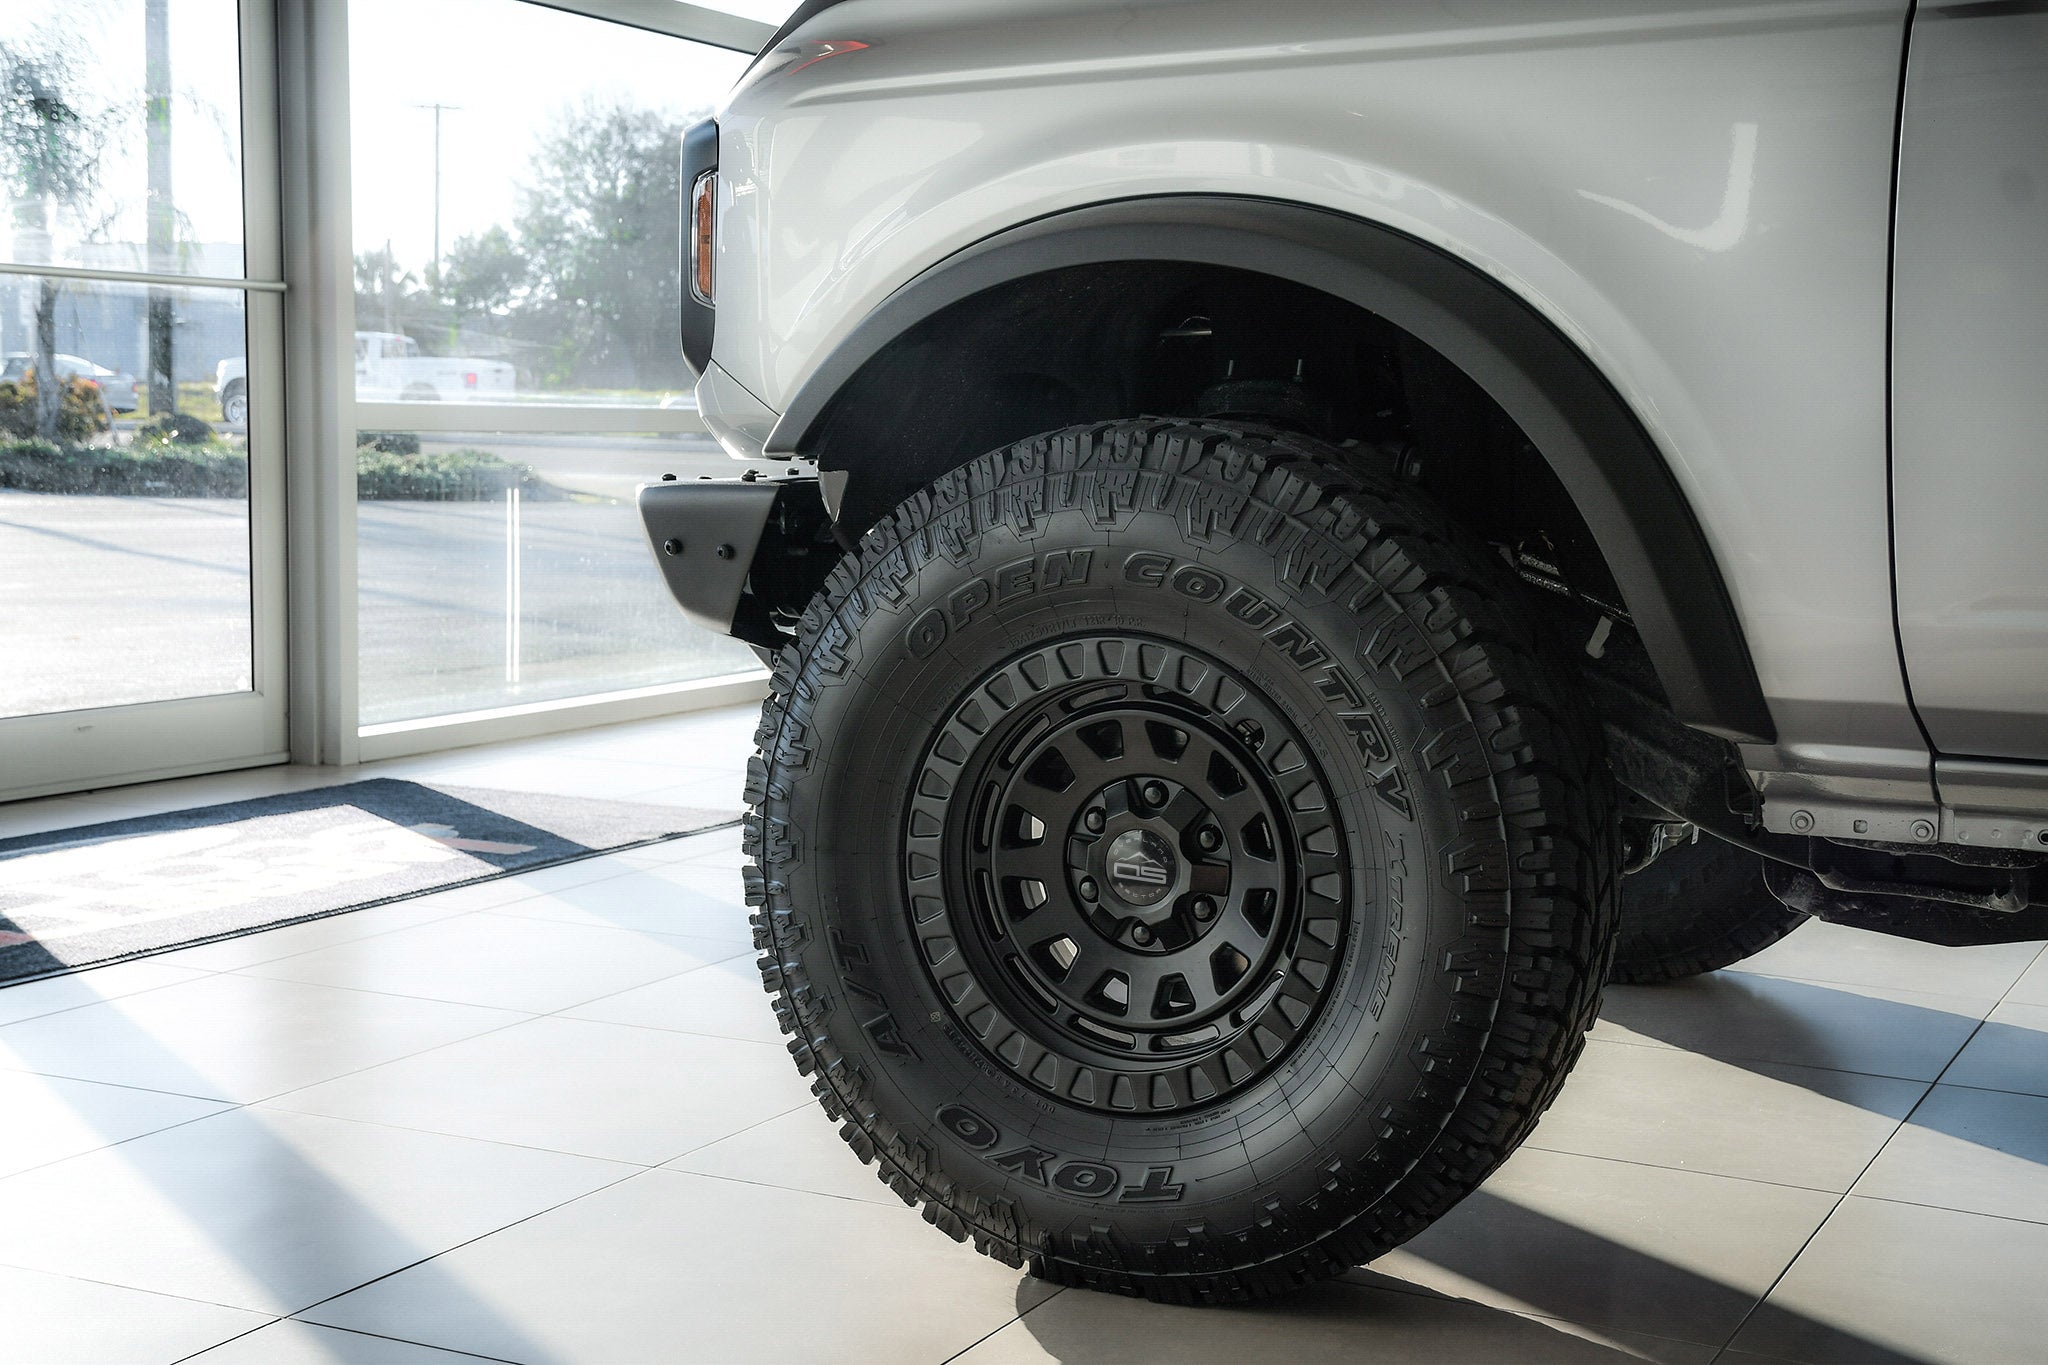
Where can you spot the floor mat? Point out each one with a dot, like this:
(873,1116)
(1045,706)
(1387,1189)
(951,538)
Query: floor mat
(74,897)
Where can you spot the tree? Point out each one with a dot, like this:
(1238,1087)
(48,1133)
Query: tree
(600,228)
(485,274)
(50,144)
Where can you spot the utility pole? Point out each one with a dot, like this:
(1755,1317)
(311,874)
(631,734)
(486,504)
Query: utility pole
(438,110)
(163,387)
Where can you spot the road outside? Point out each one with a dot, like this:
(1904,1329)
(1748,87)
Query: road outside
(106,601)
(110,600)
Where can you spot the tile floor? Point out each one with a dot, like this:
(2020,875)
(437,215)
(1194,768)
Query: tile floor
(547,1119)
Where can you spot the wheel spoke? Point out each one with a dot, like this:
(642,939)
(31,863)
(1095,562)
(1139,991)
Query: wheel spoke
(1091,768)
(1255,874)
(1209,879)
(1185,811)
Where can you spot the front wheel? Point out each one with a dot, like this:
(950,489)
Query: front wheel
(234,404)
(1177,863)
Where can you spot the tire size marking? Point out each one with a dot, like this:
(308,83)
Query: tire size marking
(1050,1170)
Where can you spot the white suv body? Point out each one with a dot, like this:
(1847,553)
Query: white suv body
(1700,197)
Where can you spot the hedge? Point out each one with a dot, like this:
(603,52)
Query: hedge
(157,465)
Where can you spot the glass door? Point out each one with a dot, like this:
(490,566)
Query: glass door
(141,516)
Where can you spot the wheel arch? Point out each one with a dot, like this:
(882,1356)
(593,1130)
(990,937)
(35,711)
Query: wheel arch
(1599,451)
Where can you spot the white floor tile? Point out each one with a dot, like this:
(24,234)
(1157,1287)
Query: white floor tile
(1981,1151)
(273,1211)
(59,1320)
(289,1342)
(1325,1325)
(1877,1030)
(665,898)
(2032,987)
(1887,1284)
(1756,1120)
(48,1119)
(571,1085)
(28,999)
(724,1000)
(801,1150)
(238,1038)
(1818,951)
(1615,1246)
(501,961)
(2009,1053)
(671,1267)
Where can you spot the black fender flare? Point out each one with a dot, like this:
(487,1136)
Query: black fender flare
(1598,448)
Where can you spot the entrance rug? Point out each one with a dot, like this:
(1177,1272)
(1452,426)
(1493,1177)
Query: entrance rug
(74,897)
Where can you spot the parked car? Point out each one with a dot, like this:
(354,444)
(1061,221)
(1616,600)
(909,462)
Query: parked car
(389,368)
(117,387)
(1304,535)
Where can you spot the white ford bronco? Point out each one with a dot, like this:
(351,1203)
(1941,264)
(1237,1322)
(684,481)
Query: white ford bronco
(1298,540)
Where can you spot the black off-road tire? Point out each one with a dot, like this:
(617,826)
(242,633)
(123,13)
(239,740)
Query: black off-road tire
(1428,837)
(1698,908)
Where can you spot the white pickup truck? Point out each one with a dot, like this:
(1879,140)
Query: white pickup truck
(389,367)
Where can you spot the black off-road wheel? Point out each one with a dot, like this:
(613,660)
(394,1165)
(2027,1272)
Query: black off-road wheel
(1698,908)
(1177,863)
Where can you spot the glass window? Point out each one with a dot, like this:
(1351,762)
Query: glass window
(120,137)
(124,536)
(517,211)
(509,568)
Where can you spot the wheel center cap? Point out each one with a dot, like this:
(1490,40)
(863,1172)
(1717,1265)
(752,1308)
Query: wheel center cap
(1141,867)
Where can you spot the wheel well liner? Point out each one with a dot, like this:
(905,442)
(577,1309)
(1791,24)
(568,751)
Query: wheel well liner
(1601,454)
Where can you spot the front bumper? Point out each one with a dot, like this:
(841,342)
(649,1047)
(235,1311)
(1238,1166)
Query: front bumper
(741,556)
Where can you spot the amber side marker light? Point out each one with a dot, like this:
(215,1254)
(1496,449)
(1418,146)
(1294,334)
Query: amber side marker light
(703,234)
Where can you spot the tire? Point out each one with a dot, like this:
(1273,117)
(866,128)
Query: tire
(1698,908)
(1319,674)
(234,404)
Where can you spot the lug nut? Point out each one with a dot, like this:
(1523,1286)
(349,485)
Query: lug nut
(1209,838)
(1141,934)
(1154,793)
(1087,888)
(1205,908)
(1093,820)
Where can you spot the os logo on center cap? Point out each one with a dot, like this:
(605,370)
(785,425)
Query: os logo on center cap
(1142,867)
